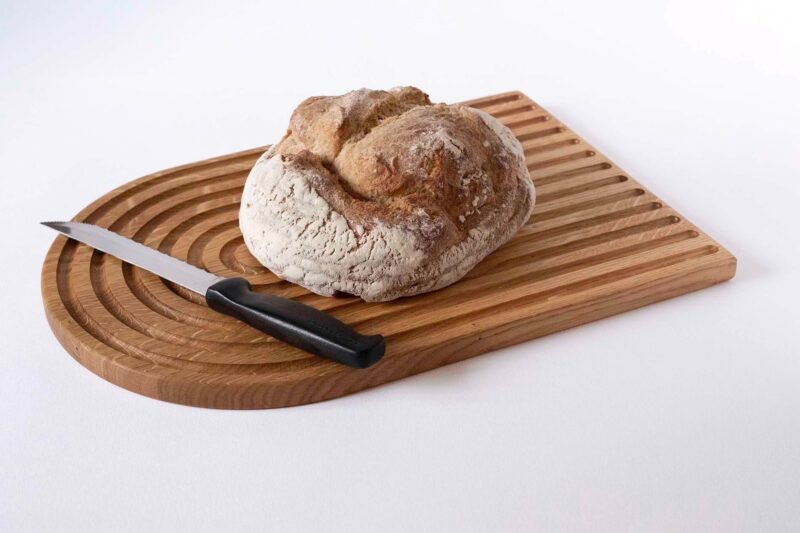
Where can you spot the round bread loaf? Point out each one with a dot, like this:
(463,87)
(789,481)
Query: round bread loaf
(382,194)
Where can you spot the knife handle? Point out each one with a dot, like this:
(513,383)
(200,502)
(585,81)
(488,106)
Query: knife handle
(294,323)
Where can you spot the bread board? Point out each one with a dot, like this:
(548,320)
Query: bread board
(599,243)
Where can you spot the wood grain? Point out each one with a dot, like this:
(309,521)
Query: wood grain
(599,243)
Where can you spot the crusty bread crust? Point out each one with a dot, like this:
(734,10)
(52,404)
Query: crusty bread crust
(382,194)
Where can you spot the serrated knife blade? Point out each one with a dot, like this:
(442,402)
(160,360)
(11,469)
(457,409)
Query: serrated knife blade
(130,251)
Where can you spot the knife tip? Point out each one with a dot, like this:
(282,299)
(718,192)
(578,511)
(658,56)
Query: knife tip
(60,227)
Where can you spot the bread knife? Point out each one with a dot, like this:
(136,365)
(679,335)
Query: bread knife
(290,321)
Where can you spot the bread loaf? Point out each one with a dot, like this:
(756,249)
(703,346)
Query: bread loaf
(382,194)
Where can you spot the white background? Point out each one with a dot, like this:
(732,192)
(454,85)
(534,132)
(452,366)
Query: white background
(683,416)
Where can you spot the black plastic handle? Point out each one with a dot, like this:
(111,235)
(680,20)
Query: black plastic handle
(297,324)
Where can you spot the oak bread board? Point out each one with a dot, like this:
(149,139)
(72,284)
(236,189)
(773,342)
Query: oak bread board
(599,243)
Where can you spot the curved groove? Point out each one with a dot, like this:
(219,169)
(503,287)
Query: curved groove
(169,240)
(106,297)
(227,255)
(82,318)
(133,277)
(232,195)
(148,227)
(145,230)
(150,201)
(195,254)
(78,313)
(156,179)
(281,287)
(195,257)
(242,255)
(137,286)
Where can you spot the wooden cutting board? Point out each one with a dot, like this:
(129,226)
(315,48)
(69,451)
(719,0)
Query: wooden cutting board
(599,243)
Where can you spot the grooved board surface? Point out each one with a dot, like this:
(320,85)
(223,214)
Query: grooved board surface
(599,243)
